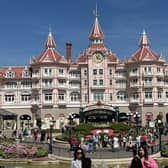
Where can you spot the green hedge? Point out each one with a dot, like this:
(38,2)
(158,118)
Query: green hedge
(41,152)
(120,127)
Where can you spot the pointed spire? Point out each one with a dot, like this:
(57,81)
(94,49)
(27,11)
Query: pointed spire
(50,43)
(96,33)
(144,42)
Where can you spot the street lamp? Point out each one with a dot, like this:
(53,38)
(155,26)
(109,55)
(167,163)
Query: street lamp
(129,117)
(136,118)
(51,138)
(160,127)
(70,118)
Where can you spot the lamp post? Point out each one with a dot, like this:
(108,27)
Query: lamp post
(51,138)
(160,124)
(70,119)
(129,117)
(136,118)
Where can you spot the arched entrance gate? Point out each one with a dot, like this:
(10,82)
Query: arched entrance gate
(99,114)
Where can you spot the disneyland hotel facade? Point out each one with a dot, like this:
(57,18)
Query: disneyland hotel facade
(97,81)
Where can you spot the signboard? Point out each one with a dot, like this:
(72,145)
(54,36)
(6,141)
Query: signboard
(151,124)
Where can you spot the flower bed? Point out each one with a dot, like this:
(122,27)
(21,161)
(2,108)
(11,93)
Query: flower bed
(13,150)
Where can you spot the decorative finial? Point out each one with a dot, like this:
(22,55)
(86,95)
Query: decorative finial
(50,34)
(49,28)
(144,32)
(95,12)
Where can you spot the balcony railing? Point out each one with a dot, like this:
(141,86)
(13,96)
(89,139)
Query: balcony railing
(148,84)
(132,100)
(131,74)
(74,76)
(121,86)
(98,87)
(62,76)
(35,75)
(148,73)
(47,86)
(148,101)
(62,102)
(159,73)
(161,100)
(134,85)
(62,86)
(120,76)
(159,84)
(33,102)
(48,75)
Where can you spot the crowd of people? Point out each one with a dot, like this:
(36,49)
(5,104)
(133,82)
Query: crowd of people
(140,147)
(93,142)
(140,160)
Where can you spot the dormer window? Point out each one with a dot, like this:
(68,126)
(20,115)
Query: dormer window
(26,74)
(10,74)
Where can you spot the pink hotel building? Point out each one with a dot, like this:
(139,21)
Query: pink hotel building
(54,86)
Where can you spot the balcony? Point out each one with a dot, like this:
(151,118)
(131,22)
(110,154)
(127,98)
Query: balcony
(75,87)
(159,73)
(34,102)
(166,74)
(132,74)
(48,103)
(74,77)
(98,87)
(148,101)
(62,76)
(159,84)
(36,86)
(48,75)
(160,101)
(120,76)
(62,86)
(35,75)
(121,86)
(132,100)
(62,103)
(47,87)
(148,84)
(148,73)
(134,85)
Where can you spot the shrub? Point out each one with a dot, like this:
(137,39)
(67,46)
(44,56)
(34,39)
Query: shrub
(120,127)
(84,128)
(41,152)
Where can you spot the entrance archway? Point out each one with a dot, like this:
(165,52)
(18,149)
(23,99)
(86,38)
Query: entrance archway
(99,114)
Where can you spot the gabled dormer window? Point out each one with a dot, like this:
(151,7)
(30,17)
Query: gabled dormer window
(26,74)
(10,74)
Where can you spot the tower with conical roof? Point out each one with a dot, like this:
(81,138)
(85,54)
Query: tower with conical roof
(96,36)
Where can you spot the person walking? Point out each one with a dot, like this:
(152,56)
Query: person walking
(147,161)
(80,161)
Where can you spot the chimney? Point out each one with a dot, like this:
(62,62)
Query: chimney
(68,51)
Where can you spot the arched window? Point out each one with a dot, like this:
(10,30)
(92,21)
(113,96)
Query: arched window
(121,96)
(10,74)
(75,97)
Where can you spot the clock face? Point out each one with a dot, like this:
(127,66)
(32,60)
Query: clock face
(98,58)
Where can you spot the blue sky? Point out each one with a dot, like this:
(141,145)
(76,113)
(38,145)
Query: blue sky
(24,26)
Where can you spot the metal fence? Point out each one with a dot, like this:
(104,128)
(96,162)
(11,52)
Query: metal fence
(101,153)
